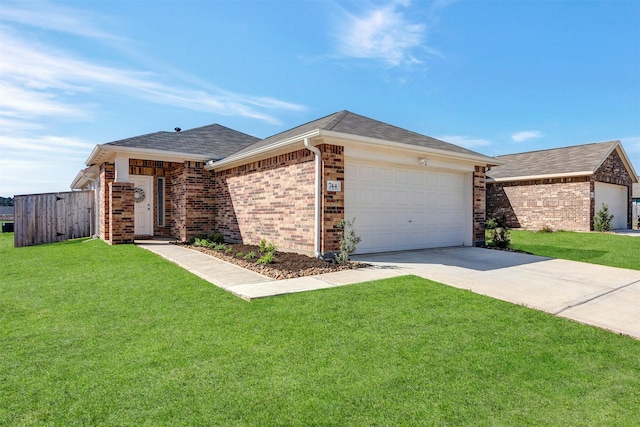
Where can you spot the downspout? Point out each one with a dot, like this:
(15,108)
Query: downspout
(318,199)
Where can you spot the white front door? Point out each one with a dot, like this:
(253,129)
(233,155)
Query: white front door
(143,207)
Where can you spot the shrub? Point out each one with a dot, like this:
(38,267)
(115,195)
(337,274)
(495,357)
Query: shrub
(215,237)
(603,221)
(267,258)
(546,229)
(498,232)
(239,254)
(228,250)
(348,241)
(250,255)
(200,242)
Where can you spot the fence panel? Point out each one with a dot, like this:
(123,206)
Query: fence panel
(52,217)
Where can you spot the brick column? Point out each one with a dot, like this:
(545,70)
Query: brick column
(332,201)
(121,213)
(479,205)
(107,175)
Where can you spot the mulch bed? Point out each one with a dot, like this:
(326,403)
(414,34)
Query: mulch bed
(286,265)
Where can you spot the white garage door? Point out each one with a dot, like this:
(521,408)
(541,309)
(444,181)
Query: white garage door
(616,199)
(400,209)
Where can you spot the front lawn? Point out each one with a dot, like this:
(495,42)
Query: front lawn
(596,248)
(92,334)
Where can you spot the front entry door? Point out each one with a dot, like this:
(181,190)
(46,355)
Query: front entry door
(143,207)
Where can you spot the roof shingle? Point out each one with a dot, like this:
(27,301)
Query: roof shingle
(553,162)
(354,124)
(214,141)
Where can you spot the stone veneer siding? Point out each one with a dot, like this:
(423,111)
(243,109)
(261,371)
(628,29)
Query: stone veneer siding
(613,171)
(121,213)
(558,203)
(479,205)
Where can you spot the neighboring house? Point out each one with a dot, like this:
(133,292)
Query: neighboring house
(636,203)
(562,188)
(6,213)
(405,190)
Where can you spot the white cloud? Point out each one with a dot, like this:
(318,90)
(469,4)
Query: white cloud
(525,135)
(43,81)
(465,141)
(385,34)
(59,18)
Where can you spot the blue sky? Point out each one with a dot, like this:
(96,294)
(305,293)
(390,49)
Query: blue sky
(497,77)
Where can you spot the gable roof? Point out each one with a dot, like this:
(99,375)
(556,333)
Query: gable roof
(348,125)
(198,144)
(577,160)
(212,141)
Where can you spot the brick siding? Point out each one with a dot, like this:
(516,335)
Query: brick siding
(559,203)
(107,175)
(332,201)
(121,213)
(479,205)
(270,199)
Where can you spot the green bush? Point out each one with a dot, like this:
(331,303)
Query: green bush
(267,258)
(603,221)
(250,255)
(499,235)
(348,241)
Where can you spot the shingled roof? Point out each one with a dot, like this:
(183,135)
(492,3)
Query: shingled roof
(574,161)
(214,141)
(348,123)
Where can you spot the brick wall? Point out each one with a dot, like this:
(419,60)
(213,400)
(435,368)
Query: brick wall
(191,198)
(270,199)
(332,201)
(558,203)
(107,175)
(479,205)
(121,213)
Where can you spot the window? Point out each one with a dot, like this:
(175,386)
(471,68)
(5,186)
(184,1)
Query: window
(160,199)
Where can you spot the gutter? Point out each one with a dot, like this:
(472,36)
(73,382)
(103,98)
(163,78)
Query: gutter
(318,198)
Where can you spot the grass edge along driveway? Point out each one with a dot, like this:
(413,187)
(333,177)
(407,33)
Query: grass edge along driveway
(608,249)
(94,334)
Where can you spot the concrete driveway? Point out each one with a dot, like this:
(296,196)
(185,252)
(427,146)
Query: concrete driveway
(602,296)
(606,297)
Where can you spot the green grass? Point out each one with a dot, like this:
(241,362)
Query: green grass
(92,334)
(596,248)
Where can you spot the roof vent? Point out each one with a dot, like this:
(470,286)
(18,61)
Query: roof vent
(177,129)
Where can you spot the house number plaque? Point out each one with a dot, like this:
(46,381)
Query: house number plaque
(334,185)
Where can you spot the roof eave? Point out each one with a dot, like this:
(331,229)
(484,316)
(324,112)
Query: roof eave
(232,160)
(536,177)
(236,160)
(106,149)
(478,159)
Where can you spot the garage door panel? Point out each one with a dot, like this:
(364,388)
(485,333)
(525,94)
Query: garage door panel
(616,197)
(398,209)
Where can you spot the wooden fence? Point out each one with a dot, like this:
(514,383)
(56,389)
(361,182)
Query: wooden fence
(52,217)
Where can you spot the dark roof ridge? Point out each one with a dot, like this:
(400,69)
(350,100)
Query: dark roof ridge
(339,116)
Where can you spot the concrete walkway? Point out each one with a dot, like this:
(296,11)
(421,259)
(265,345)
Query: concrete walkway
(601,296)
